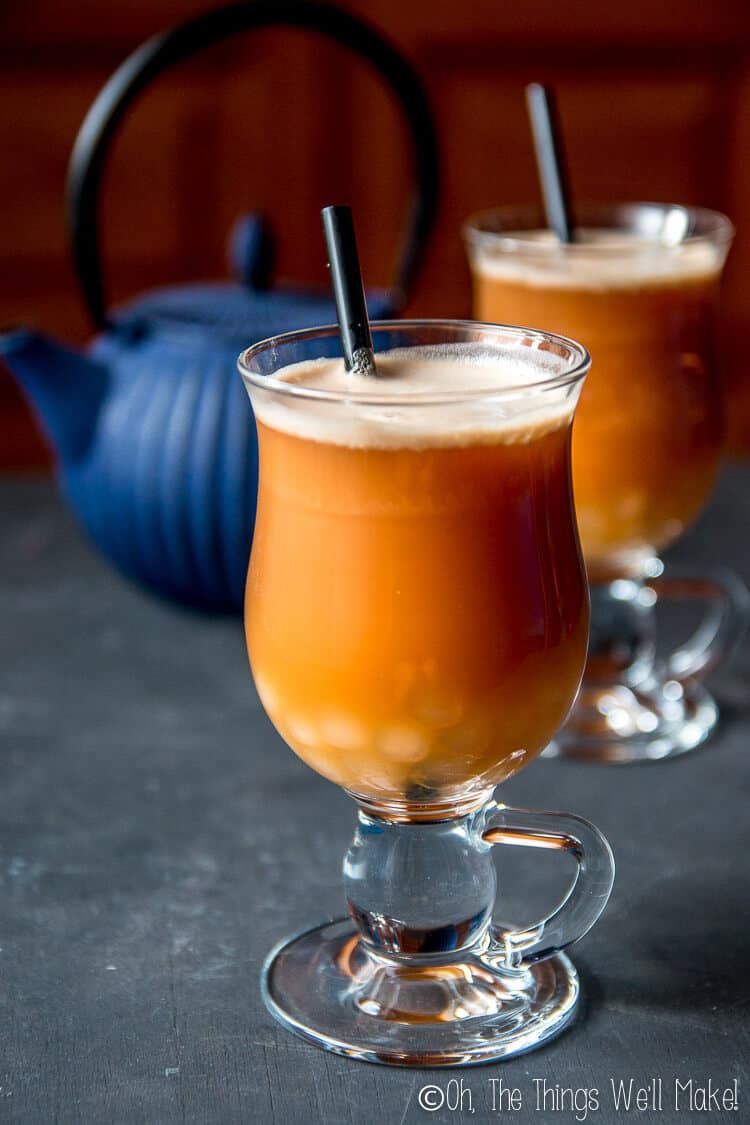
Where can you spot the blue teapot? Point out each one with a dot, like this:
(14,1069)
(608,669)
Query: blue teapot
(154,437)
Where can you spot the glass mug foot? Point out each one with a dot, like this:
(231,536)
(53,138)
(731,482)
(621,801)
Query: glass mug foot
(326,987)
(633,707)
(418,976)
(621,724)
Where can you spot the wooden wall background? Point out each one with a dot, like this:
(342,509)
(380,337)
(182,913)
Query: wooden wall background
(655,101)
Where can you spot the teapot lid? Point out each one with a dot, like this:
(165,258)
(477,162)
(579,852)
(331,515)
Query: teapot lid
(236,314)
(248,310)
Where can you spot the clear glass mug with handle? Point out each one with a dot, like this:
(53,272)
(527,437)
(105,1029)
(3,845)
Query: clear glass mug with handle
(417,617)
(640,288)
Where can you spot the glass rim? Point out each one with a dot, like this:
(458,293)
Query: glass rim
(420,398)
(713,227)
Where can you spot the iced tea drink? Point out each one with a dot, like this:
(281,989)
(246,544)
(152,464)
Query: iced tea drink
(416,606)
(639,289)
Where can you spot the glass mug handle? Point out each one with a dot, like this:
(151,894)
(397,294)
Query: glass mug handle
(586,898)
(723,626)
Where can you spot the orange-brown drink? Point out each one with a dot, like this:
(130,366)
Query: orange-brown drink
(639,287)
(416,604)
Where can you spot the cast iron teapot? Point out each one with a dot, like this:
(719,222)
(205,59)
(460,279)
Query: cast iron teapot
(154,437)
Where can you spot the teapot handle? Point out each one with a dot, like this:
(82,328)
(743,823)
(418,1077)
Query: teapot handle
(164,50)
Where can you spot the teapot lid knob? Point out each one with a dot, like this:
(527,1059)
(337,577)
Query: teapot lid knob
(252,250)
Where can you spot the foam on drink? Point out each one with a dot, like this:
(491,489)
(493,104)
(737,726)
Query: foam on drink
(423,396)
(599,259)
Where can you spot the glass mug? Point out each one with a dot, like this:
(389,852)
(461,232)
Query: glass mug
(640,289)
(416,618)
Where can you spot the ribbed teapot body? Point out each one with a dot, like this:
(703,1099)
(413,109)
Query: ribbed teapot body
(167,486)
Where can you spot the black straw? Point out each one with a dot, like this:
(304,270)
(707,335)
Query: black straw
(348,290)
(550,158)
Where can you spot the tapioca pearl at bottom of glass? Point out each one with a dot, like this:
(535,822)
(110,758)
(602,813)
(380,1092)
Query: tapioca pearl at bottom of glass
(402,744)
(343,732)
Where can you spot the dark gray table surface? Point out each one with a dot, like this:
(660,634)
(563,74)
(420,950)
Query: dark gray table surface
(157,838)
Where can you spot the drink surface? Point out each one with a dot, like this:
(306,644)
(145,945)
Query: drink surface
(416,604)
(423,397)
(649,428)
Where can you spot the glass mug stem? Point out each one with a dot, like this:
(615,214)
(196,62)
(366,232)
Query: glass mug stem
(426,891)
(636,705)
(419,975)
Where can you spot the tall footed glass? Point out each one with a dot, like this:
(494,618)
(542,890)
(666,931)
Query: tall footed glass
(417,618)
(640,288)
